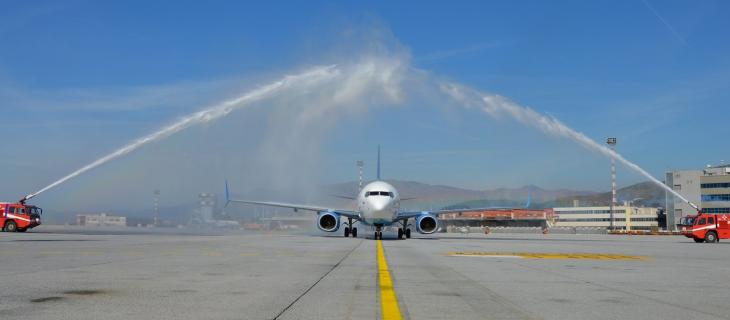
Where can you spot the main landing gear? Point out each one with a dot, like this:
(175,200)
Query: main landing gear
(404,231)
(349,229)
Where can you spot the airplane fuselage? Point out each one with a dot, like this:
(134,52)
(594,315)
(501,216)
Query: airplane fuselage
(378,203)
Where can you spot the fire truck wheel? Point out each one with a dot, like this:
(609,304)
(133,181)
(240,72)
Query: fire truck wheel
(711,237)
(699,240)
(10,226)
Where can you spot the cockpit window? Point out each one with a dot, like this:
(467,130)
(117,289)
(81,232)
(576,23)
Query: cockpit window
(379,193)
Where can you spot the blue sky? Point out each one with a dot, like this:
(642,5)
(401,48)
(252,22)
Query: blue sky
(80,78)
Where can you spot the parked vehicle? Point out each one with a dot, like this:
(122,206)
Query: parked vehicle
(19,217)
(706,227)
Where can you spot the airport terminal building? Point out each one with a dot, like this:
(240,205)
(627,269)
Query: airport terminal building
(624,217)
(101,220)
(708,188)
(497,218)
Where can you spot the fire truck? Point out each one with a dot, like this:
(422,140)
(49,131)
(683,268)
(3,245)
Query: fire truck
(706,227)
(19,217)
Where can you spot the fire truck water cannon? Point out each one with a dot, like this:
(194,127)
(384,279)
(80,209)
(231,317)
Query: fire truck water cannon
(26,198)
(694,206)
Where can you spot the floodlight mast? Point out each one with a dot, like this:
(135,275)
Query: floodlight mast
(360,164)
(612,144)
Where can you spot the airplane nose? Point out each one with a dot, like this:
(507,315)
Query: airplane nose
(379,205)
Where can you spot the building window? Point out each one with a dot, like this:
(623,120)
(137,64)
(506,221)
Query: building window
(715,185)
(590,211)
(716,210)
(715,197)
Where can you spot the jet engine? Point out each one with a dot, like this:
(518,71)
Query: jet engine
(427,223)
(328,221)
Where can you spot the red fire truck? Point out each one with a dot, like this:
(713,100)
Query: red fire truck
(706,227)
(19,216)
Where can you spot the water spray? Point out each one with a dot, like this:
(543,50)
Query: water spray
(494,105)
(311,76)
(497,106)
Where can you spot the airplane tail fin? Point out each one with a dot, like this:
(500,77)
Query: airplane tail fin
(378,163)
(529,199)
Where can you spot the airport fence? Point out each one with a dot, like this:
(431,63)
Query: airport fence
(533,230)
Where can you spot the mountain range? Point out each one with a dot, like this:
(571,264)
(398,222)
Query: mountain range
(425,197)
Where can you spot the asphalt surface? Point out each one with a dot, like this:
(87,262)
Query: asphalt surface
(86,274)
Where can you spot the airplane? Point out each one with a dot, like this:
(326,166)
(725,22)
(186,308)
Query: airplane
(378,205)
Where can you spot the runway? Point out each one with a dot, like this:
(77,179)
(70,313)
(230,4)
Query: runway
(86,274)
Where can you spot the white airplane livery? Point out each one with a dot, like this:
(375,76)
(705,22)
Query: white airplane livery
(378,205)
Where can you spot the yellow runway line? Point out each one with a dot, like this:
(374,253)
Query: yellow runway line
(388,300)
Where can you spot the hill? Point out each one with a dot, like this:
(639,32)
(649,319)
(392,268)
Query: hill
(641,194)
(437,196)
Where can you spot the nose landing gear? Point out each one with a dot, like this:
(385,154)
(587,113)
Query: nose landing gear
(378,233)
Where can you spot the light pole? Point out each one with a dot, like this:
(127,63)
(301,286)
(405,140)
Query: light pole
(156,203)
(360,164)
(612,144)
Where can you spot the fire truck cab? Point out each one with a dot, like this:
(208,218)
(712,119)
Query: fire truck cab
(707,227)
(19,217)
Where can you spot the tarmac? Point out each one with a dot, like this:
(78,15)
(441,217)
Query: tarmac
(76,273)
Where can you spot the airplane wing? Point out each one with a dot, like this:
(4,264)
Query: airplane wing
(346,213)
(471,209)
(412,214)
